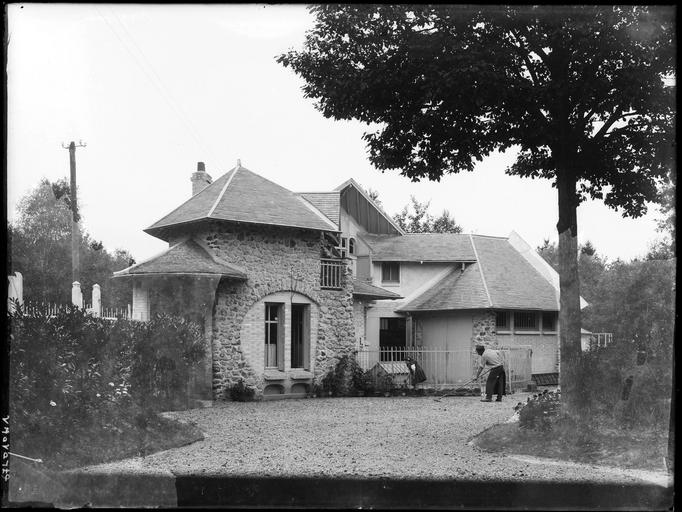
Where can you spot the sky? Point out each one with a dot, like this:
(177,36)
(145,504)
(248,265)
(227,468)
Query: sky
(153,89)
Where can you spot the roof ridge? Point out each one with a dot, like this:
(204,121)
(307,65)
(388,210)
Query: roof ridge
(490,236)
(187,201)
(480,266)
(316,211)
(222,192)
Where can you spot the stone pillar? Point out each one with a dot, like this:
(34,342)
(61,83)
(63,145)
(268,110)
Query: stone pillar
(96,300)
(76,294)
(484,329)
(15,291)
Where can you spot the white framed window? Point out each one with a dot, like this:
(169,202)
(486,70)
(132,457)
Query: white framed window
(274,335)
(390,272)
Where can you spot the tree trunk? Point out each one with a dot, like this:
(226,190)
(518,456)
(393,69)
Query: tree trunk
(569,288)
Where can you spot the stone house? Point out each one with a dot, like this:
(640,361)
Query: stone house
(284,284)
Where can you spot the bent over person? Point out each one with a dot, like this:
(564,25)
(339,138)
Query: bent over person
(496,382)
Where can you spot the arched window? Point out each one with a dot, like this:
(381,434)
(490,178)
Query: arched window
(351,246)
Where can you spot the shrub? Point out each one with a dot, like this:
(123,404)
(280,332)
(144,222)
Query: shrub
(241,393)
(345,379)
(539,412)
(69,368)
(609,399)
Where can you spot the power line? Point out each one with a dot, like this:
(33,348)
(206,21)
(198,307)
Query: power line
(158,83)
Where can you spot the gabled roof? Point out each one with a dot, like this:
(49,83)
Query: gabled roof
(501,278)
(243,196)
(184,258)
(366,290)
(457,290)
(433,247)
(359,191)
(327,202)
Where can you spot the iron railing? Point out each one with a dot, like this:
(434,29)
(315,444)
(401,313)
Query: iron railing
(443,368)
(600,339)
(32,308)
(330,274)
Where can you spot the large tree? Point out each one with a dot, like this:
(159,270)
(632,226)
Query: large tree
(40,248)
(579,91)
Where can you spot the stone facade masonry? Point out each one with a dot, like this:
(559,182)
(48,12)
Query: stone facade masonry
(484,329)
(276,260)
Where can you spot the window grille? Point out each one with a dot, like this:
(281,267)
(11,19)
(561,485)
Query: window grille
(502,320)
(525,321)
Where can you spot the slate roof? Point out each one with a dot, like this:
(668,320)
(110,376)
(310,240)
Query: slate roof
(369,291)
(511,280)
(184,258)
(457,290)
(448,247)
(327,202)
(500,279)
(243,196)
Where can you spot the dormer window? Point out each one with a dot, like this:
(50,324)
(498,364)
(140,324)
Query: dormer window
(390,272)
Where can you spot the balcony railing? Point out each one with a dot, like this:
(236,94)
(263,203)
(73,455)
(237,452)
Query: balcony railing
(331,272)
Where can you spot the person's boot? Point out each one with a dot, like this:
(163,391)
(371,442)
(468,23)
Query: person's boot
(487,399)
(499,399)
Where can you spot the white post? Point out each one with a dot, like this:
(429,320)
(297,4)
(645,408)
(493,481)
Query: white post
(15,290)
(96,300)
(76,294)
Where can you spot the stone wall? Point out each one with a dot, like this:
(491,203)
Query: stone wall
(275,259)
(484,330)
(359,323)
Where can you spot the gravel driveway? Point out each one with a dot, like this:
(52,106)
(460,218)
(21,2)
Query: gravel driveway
(399,437)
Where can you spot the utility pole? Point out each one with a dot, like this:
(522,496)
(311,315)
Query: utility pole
(75,217)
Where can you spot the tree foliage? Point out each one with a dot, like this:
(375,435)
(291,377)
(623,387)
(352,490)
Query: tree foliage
(591,266)
(580,91)
(415,218)
(447,85)
(635,300)
(664,247)
(40,248)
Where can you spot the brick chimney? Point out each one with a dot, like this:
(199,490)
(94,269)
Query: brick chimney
(200,179)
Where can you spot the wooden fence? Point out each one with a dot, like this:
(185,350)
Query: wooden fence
(443,368)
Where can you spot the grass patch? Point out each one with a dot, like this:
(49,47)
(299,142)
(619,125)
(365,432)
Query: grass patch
(134,433)
(610,447)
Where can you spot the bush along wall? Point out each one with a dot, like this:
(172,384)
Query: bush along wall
(74,369)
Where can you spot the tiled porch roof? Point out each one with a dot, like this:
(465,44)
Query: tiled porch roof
(184,258)
(362,289)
